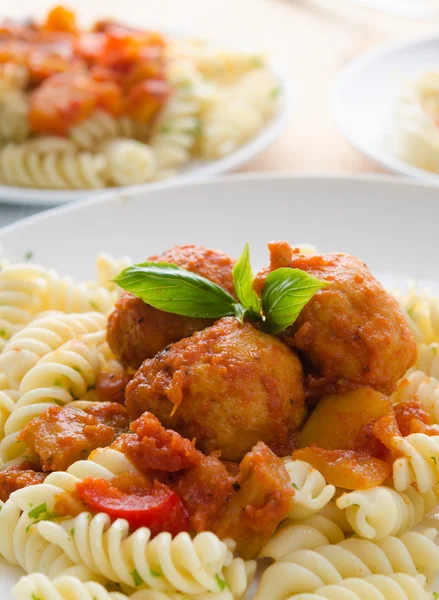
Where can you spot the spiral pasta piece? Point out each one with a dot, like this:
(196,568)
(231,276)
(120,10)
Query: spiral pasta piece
(21,544)
(422,313)
(65,587)
(42,336)
(376,513)
(130,162)
(177,127)
(107,267)
(416,385)
(57,379)
(419,462)
(308,533)
(101,127)
(374,587)
(311,493)
(22,166)
(192,566)
(236,114)
(306,570)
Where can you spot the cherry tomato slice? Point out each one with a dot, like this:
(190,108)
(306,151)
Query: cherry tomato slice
(159,508)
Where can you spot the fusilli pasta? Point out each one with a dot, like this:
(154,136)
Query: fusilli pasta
(419,462)
(129,162)
(101,126)
(412,554)
(58,378)
(21,166)
(64,587)
(14,126)
(236,114)
(416,385)
(373,587)
(177,127)
(381,511)
(422,313)
(311,493)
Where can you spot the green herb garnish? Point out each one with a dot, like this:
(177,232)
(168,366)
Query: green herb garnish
(36,512)
(28,255)
(40,513)
(295,486)
(3,333)
(34,596)
(136,578)
(93,305)
(285,293)
(275,92)
(155,573)
(171,288)
(221,583)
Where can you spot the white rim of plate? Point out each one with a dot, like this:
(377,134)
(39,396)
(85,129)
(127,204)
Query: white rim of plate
(124,194)
(337,108)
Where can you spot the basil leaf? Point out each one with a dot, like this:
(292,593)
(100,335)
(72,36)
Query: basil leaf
(243,282)
(285,293)
(240,312)
(172,289)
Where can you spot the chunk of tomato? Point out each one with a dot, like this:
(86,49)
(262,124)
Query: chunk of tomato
(159,508)
(61,19)
(146,99)
(60,102)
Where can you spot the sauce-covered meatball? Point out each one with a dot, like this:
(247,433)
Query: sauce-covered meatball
(352,332)
(228,386)
(137,331)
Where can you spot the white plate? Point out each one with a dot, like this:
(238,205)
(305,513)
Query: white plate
(365,91)
(199,169)
(390,224)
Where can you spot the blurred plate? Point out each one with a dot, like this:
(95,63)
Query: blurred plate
(196,169)
(364,95)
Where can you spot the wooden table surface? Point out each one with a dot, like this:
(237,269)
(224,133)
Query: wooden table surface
(309,39)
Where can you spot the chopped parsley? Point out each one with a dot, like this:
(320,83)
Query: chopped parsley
(93,305)
(295,486)
(36,512)
(28,255)
(155,573)
(57,382)
(136,578)
(35,597)
(275,92)
(3,333)
(221,583)
(435,595)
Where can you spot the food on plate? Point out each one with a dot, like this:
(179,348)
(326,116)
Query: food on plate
(351,333)
(163,427)
(413,136)
(137,331)
(228,387)
(115,105)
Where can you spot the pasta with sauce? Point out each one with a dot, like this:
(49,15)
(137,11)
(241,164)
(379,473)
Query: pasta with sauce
(146,450)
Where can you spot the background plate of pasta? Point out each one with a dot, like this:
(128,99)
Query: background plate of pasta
(186,415)
(386,104)
(115,105)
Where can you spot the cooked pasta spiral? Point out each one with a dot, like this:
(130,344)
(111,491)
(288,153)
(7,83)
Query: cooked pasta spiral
(129,162)
(419,462)
(22,166)
(309,533)
(175,132)
(101,127)
(64,587)
(416,385)
(57,379)
(374,587)
(192,566)
(381,511)
(413,554)
(236,114)
(422,312)
(42,336)
(107,267)
(311,493)
(21,544)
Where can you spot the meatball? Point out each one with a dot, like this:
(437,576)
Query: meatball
(352,332)
(17,477)
(137,331)
(228,387)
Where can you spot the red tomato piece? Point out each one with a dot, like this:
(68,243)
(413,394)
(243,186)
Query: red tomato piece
(146,99)
(89,46)
(60,102)
(159,508)
(109,96)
